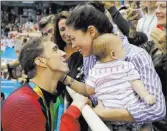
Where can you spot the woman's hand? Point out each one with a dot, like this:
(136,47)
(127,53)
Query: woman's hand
(159,38)
(99,109)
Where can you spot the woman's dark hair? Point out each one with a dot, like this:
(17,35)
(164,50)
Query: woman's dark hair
(98,5)
(58,40)
(86,15)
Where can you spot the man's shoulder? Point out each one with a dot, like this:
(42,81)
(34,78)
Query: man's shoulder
(21,95)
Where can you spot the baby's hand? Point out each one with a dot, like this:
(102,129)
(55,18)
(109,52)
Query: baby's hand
(150,99)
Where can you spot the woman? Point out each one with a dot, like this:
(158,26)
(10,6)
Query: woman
(84,25)
(75,59)
(60,35)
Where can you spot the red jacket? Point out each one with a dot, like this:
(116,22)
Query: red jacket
(22,112)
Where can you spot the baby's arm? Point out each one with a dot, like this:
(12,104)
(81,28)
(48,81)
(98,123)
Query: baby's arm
(139,88)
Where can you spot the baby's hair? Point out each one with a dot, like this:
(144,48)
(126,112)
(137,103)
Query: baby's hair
(103,45)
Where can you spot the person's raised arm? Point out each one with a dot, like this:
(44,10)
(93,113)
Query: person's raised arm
(118,19)
(75,85)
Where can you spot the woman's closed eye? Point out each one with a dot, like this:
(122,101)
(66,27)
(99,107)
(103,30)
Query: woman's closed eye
(55,48)
(62,29)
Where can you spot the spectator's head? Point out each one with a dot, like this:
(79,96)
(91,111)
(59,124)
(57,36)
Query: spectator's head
(61,37)
(161,13)
(150,5)
(46,25)
(41,56)
(108,47)
(133,4)
(84,25)
(143,6)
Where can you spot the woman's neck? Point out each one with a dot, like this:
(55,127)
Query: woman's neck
(69,50)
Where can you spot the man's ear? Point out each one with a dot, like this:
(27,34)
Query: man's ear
(112,54)
(40,61)
(92,31)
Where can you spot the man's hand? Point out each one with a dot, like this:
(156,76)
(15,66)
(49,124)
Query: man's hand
(79,101)
(108,4)
(159,38)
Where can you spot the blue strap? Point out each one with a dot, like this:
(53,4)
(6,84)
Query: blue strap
(32,84)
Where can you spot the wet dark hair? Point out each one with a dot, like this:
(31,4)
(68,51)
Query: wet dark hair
(57,38)
(86,15)
(29,52)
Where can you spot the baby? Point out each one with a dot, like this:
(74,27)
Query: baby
(113,80)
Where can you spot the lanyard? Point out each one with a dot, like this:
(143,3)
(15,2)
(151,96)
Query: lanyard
(148,25)
(36,88)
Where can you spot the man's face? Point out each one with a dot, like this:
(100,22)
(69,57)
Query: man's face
(81,41)
(55,58)
(49,29)
(161,13)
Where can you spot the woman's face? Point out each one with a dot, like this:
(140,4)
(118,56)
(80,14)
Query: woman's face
(63,29)
(161,13)
(82,40)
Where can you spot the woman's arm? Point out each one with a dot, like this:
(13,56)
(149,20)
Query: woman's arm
(119,115)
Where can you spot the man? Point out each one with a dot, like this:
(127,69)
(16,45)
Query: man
(46,26)
(30,108)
